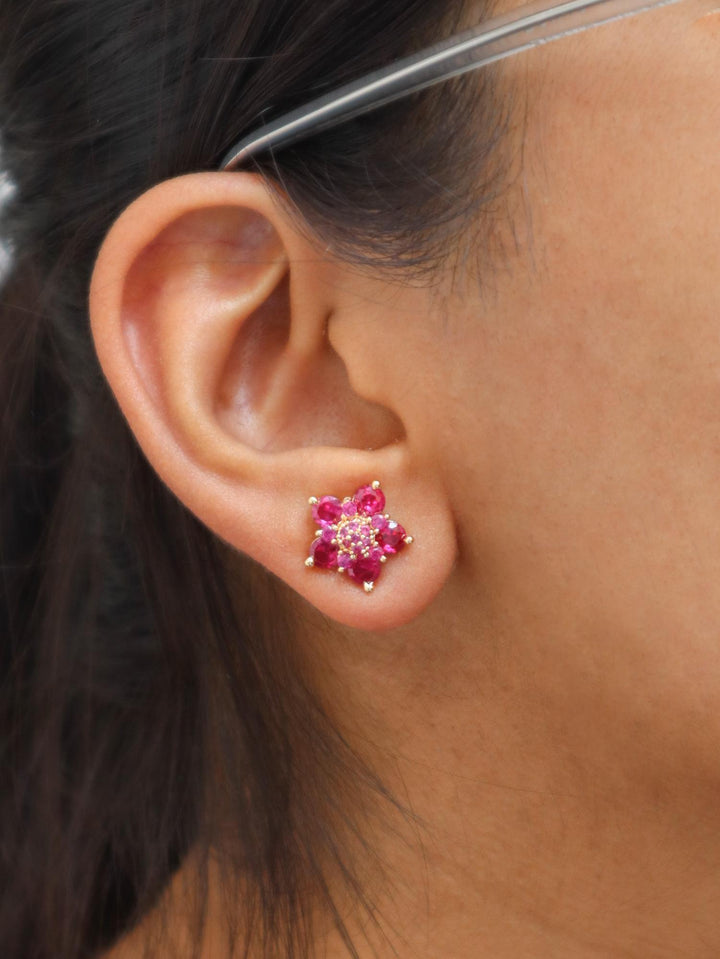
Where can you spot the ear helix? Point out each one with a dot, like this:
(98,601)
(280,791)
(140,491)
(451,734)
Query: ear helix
(354,536)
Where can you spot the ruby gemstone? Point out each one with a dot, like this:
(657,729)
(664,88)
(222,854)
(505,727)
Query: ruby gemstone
(327,510)
(392,538)
(369,500)
(324,555)
(365,569)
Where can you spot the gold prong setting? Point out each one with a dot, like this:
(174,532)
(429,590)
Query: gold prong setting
(354,536)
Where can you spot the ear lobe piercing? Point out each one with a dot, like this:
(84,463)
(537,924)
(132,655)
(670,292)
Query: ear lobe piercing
(354,536)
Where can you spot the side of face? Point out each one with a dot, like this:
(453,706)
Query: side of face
(578,394)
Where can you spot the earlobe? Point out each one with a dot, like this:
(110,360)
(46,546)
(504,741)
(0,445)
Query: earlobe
(210,315)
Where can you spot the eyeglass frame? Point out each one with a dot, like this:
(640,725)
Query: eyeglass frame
(501,36)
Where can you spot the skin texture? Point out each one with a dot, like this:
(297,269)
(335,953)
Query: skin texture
(539,676)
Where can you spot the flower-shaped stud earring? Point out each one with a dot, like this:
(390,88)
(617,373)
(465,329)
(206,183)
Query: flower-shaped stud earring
(354,535)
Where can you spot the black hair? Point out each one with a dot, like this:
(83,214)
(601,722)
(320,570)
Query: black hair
(134,683)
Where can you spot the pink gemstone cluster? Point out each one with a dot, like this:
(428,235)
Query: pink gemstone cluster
(354,536)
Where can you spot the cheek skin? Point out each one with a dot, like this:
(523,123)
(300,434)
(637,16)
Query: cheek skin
(710,24)
(590,448)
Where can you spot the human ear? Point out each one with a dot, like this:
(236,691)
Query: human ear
(211,314)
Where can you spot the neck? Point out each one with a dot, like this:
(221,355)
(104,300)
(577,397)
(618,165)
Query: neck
(554,823)
(548,820)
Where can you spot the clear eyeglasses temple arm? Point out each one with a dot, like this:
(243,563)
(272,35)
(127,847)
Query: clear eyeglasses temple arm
(500,37)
